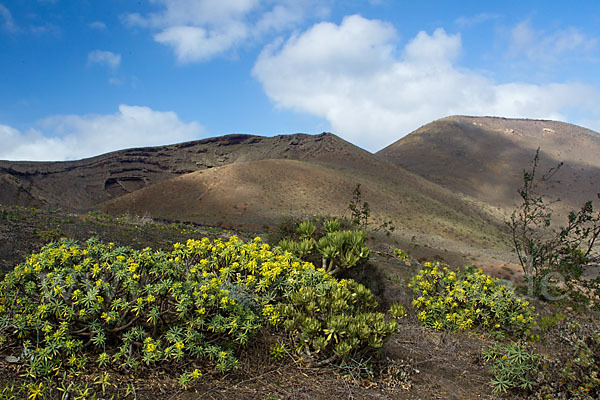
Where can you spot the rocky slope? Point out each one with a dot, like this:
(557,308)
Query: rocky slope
(82,184)
(484,157)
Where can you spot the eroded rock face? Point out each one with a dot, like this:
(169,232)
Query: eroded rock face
(14,191)
(82,184)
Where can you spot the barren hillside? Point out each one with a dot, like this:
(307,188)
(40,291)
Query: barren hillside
(258,193)
(82,184)
(484,157)
(446,186)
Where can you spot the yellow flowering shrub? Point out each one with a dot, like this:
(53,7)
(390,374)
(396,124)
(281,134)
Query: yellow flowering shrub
(121,307)
(468,299)
(72,305)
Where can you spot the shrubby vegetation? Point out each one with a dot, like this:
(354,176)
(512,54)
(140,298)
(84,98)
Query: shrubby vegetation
(575,372)
(78,316)
(330,319)
(339,249)
(468,299)
(550,255)
(513,366)
(572,374)
(72,307)
(553,259)
(360,212)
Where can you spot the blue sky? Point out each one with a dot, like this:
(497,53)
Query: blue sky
(80,78)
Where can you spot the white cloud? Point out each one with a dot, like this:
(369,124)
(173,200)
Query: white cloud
(541,46)
(68,137)
(198,30)
(8,22)
(97,25)
(279,18)
(192,43)
(372,94)
(211,12)
(439,48)
(102,57)
(475,20)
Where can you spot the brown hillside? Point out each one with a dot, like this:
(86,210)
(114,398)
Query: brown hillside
(261,192)
(252,181)
(80,185)
(484,157)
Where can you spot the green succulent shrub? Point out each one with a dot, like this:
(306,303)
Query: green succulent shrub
(467,299)
(339,249)
(331,225)
(571,373)
(74,306)
(513,367)
(306,229)
(330,319)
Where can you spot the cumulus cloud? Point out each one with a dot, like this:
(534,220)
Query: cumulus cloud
(103,57)
(69,137)
(192,43)
(373,93)
(198,30)
(540,46)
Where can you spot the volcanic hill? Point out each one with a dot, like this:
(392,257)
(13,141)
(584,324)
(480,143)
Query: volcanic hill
(447,186)
(81,185)
(319,180)
(484,158)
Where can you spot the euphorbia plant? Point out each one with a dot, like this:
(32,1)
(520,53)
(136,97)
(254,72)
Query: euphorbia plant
(339,249)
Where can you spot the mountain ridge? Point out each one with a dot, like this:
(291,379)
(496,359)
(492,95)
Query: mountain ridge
(484,157)
(449,185)
(82,184)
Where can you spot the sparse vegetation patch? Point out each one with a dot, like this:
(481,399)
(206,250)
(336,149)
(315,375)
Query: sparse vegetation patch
(571,374)
(553,258)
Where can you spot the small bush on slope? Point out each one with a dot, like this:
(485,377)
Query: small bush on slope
(71,306)
(468,299)
(330,319)
(549,254)
(571,374)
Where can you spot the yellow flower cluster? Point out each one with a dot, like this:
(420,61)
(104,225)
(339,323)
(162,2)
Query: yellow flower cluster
(468,298)
(201,298)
